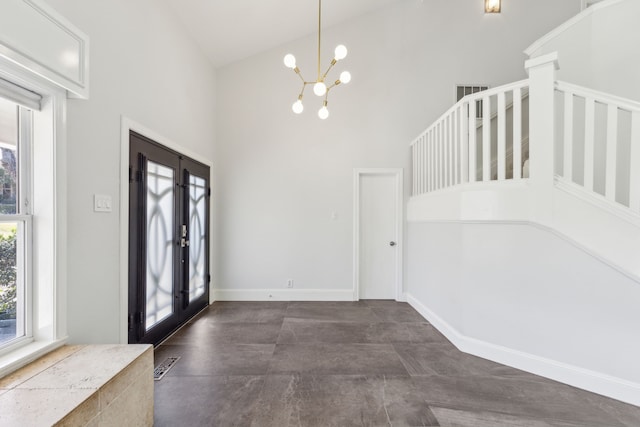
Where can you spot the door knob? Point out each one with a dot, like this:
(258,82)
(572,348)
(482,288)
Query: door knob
(392,243)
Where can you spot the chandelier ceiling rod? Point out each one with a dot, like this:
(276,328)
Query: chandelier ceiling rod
(320,88)
(319,30)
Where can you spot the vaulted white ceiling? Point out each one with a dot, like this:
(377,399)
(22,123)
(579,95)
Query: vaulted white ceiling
(230,30)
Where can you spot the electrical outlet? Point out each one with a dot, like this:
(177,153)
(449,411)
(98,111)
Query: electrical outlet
(290,283)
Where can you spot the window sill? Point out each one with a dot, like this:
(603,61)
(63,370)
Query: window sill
(26,354)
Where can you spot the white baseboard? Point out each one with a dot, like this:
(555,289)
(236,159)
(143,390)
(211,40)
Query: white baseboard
(606,385)
(283,294)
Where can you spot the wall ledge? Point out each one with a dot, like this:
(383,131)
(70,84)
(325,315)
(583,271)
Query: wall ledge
(82,385)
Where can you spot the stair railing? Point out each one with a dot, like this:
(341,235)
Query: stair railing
(473,141)
(598,137)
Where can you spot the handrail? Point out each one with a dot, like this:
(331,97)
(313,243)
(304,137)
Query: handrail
(603,97)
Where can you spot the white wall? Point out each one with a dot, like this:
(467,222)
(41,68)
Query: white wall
(524,296)
(280,176)
(596,52)
(145,68)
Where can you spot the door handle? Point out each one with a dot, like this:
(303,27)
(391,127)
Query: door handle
(392,243)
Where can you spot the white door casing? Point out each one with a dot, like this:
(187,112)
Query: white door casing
(378,221)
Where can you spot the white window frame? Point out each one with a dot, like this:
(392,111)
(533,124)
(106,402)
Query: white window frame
(24,234)
(46,327)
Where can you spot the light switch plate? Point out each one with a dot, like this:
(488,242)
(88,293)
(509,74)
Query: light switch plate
(101,203)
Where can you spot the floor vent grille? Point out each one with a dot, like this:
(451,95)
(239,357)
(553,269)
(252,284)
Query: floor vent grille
(161,370)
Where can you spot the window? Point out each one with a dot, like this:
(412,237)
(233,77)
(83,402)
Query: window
(15,221)
(32,218)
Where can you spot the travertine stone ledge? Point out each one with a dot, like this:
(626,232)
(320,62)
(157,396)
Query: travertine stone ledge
(85,385)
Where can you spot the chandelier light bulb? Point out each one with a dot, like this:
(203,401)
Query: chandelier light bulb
(320,88)
(290,61)
(345,77)
(323,113)
(340,52)
(297,107)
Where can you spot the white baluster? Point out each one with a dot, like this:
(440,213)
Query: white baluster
(436,143)
(517,134)
(463,121)
(455,145)
(568,137)
(445,152)
(473,147)
(434,161)
(589,138)
(486,138)
(441,156)
(634,185)
(612,152)
(421,167)
(414,171)
(452,157)
(502,137)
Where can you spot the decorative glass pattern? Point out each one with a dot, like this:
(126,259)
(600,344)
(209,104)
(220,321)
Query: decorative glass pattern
(160,243)
(197,237)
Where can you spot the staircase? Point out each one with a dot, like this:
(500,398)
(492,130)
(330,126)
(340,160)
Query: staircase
(561,161)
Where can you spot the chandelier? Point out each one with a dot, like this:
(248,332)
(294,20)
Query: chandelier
(320,88)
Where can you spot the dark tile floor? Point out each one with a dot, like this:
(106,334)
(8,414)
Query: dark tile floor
(367,363)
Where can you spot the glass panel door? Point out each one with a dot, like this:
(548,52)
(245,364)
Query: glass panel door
(168,240)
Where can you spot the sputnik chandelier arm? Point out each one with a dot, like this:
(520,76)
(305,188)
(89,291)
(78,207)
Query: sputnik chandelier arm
(320,88)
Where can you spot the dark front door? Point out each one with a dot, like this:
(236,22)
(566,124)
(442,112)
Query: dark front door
(168,239)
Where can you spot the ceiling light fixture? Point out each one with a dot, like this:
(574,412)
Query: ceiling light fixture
(492,6)
(320,88)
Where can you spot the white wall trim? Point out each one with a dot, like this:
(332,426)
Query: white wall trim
(399,176)
(596,382)
(126,126)
(283,294)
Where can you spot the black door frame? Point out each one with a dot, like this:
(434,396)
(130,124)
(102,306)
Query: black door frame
(142,148)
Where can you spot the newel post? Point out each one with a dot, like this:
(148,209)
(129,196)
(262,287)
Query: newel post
(542,78)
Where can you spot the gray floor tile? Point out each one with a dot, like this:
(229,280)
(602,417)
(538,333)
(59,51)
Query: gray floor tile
(211,333)
(326,304)
(249,314)
(332,313)
(457,418)
(224,359)
(206,401)
(527,397)
(341,401)
(336,359)
(310,331)
(444,359)
(401,312)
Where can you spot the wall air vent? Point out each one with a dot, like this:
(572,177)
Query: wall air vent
(464,90)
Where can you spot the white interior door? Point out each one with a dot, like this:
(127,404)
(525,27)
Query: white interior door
(378,246)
